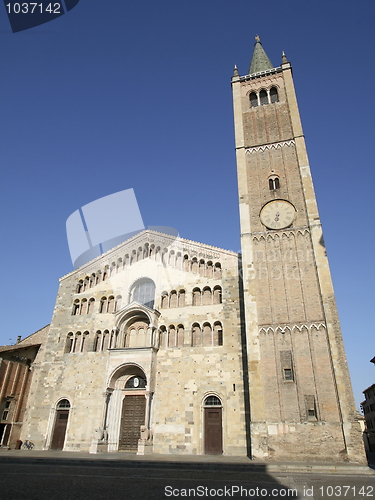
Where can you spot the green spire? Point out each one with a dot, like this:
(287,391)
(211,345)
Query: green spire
(259,61)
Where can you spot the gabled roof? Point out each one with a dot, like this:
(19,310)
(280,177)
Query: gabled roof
(259,61)
(35,339)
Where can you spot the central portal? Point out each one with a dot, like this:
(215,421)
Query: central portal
(132,417)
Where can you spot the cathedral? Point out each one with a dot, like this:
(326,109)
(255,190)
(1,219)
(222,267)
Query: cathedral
(170,346)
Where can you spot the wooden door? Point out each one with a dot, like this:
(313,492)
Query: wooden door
(213,433)
(132,417)
(59,431)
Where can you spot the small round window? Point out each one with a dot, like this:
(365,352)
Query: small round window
(136,383)
(64,403)
(212,401)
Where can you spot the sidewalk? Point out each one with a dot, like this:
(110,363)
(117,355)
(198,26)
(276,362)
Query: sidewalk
(190,462)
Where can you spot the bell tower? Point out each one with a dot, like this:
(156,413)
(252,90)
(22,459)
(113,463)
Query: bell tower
(301,399)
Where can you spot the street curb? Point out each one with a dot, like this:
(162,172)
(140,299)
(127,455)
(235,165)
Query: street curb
(255,467)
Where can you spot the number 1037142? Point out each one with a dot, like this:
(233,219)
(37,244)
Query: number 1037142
(31,8)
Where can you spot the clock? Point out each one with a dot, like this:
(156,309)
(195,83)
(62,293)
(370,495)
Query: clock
(278,214)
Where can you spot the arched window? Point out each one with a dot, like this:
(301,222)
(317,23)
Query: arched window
(212,401)
(180,335)
(207,334)
(63,404)
(79,286)
(98,341)
(119,265)
(106,340)
(111,304)
(158,254)
(139,254)
(143,291)
(209,269)
(77,342)
(173,299)
(103,305)
(83,306)
(164,300)
(196,297)
(90,306)
(217,271)
(85,338)
(218,334)
(92,280)
(69,342)
(172,336)
(217,295)
(274,182)
(274,95)
(253,100)
(162,336)
(263,97)
(186,263)
(98,277)
(197,335)
(181,298)
(194,265)
(75,310)
(145,251)
(105,273)
(86,283)
(207,296)
(202,268)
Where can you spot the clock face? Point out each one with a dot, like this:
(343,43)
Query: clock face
(277,214)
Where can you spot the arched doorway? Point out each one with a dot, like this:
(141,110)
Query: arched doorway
(61,423)
(213,426)
(133,413)
(128,407)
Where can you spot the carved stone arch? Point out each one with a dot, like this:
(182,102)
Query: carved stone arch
(127,369)
(296,329)
(263,330)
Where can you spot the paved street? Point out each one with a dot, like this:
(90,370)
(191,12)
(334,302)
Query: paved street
(33,476)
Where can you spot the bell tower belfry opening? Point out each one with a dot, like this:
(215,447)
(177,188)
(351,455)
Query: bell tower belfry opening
(298,375)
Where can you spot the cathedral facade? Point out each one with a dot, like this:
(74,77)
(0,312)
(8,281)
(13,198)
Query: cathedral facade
(165,345)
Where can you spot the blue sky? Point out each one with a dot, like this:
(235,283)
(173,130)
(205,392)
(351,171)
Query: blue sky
(117,95)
